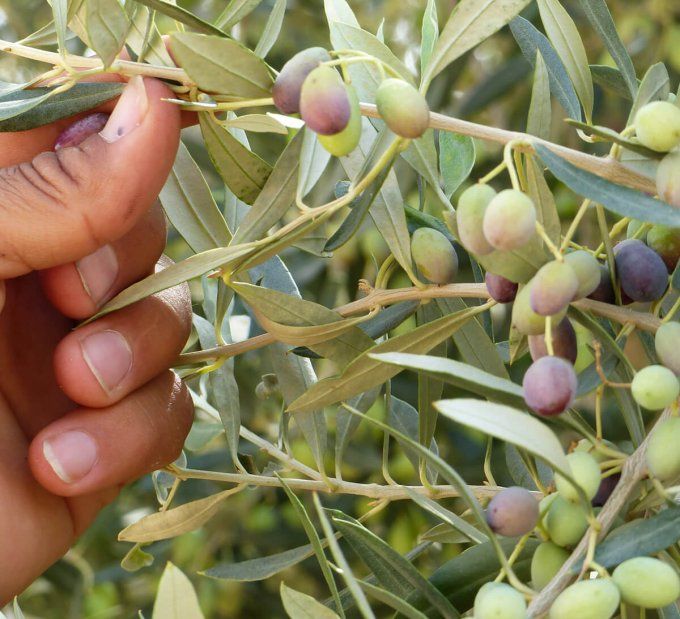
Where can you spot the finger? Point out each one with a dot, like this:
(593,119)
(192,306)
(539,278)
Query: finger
(64,205)
(90,450)
(79,289)
(103,362)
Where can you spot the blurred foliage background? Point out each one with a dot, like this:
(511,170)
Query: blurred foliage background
(491,86)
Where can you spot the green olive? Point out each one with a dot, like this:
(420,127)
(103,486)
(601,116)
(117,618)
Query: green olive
(647,582)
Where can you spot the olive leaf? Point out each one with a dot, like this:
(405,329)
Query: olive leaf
(272,29)
(314,160)
(430,33)
(235,11)
(540,110)
(258,123)
(302,606)
(609,135)
(176,597)
(145,38)
(456,160)
(611,79)
(107,26)
(183,16)
(60,13)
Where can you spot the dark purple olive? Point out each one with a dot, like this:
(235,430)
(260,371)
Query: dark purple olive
(501,290)
(605,490)
(288,84)
(563,341)
(641,271)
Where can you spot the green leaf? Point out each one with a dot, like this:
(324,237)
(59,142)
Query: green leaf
(430,33)
(340,11)
(510,425)
(564,35)
(151,44)
(364,372)
(276,196)
(459,374)
(272,29)
(611,79)
(540,108)
(242,170)
(176,597)
(442,533)
(639,538)
(391,600)
(620,200)
(314,160)
(456,160)
(183,16)
(262,568)
(609,135)
(235,11)
(421,155)
(315,541)
(257,123)
(176,521)
(538,190)
(600,18)
(174,274)
(136,559)
(28,109)
(393,571)
(190,207)
(530,40)
(301,606)
(450,519)
(221,66)
(346,424)
(60,13)
(107,28)
(470,23)
(655,86)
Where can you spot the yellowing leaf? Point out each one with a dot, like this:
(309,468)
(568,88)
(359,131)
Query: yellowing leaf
(176,597)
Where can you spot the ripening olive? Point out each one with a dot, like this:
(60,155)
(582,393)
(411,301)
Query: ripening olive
(547,560)
(502,290)
(665,241)
(552,288)
(586,473)
(663,453)
(657,126)
(434,256)
(655,387)
(497,600)
(470,217)
(667,344)
(647,582)
(641,271)
(565,522)
(605,290)
(563,341)
(510,220)
(343,143)
(587,599)
(325,101)
(587,270)
(512,512)
(403,108)
(524,319)
(288,84)
(550,386)
(668,178)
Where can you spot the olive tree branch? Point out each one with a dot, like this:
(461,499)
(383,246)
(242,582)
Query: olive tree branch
(633,471)
(384,298)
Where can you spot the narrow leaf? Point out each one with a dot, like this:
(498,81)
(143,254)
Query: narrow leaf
(183,16)
(235,11)
(272,29)
(540,109)
(611,79)
(314,160)
(176,597)
(301,606)
(391,600)
(60,13)
(456,160)
(430,33)
(258,123)
(261,568)
(107,28)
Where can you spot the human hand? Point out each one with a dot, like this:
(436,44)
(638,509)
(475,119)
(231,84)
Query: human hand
(83,412)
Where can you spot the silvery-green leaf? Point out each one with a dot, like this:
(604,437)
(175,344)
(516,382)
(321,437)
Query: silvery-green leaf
(190,206)
(152,45)
(470,23)
(60,13)
(272,29)
(540,108)
(340,11)
(176,597)
(314,160)
(655,86)
(430,33)
(609,135)
(261,568)
(221,65)
(235,11)
(456,160)
(302,606)
(531,40)
(564,35)
(107,28)
(611,79)
(172,10)
(391,600)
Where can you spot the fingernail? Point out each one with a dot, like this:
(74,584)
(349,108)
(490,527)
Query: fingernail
(99,272)
(72,455)
(109,356)
(129,112)
(80,130)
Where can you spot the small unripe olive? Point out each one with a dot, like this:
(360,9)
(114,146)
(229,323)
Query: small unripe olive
(667,344)
(403,108)
(657,126)
(565,522)
(647,582)
(587,270)
(525,320)
(563,341)
(663,450)
(510,220)
(472,205)
(665,241)
(288,84)
(497,600)
(634,225)
(434,256)
(347,140)
(668,178)
(587,599)
(655,387)
(550,385)
(547,560)
(586,473)
(325,101)
(512,512)
(552,288)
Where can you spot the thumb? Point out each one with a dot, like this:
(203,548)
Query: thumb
(64,205)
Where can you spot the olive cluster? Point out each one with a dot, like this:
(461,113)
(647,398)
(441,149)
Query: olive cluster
(309,84)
